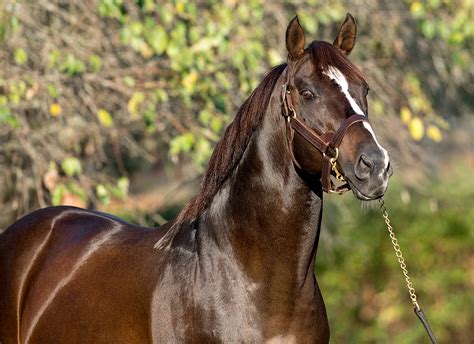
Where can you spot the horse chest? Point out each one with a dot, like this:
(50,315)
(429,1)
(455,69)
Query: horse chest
(225,307)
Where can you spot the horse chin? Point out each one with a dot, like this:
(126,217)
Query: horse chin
(365,197)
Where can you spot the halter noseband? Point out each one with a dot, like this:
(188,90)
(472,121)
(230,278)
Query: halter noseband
(327,143)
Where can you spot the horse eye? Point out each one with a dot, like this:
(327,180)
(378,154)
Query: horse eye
(308,95)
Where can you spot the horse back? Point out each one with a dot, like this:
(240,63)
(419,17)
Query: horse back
(72,264)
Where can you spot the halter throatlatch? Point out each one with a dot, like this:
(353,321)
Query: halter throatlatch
(327,143)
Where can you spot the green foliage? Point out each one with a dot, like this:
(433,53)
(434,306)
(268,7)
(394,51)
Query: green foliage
(71,166)
(7,117)
(172,74)
(72,65)
(20,56)
(70,193)
(447,26)
(96,63)
(104,192)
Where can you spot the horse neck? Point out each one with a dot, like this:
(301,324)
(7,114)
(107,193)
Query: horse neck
(265,214)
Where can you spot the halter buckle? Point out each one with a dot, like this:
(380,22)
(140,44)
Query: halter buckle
(288,109)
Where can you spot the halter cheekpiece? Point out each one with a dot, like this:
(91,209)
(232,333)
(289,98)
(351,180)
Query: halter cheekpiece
(327,143)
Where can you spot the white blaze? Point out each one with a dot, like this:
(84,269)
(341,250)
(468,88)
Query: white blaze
(336,75)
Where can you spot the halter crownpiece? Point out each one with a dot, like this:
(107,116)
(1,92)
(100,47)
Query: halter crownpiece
(327,143)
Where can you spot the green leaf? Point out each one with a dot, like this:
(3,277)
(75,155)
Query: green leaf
(204,116)
(157,38)
(136,28)
(102,194)
(166,13)
(71,166)
(129,81)
(52,91)
(202,151)
(309,22)
(96,63)
(125,35)
(20,56)
(428,28)
(78,190)
(72,65)
(53,58)
(216,124)
(57,194)
(181,144)
(7,117)
(161,95)
(206,43)
(120,190)
(149,118)
(123,184)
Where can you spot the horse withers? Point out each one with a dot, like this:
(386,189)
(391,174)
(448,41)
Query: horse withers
(236,265)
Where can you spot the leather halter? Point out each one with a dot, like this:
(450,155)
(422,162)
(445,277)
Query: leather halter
(327,143)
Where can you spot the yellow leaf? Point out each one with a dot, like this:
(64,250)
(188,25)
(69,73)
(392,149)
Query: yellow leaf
(189,81)
(180,7)
(405,114)
(434,133)
(105,118)
(274,57)
(134,102)
(415,7)
(55,109)
(416,128)
(145,50)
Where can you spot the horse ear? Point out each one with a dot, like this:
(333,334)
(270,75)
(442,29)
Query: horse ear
(346,37)
(294,39)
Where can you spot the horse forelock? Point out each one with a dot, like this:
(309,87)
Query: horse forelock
(326,56)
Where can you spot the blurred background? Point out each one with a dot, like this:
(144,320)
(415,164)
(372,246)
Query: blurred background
(116,105)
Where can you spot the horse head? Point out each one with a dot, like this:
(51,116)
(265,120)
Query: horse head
(324,100)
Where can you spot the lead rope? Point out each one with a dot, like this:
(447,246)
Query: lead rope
(411,289)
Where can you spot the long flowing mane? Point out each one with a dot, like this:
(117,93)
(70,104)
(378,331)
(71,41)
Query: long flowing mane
(231,147)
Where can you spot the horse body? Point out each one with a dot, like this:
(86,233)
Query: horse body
(235,266)
(214,280)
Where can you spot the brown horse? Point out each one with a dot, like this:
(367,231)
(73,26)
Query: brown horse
(237,264)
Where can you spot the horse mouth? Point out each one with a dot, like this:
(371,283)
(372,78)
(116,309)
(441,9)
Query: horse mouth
(364,197)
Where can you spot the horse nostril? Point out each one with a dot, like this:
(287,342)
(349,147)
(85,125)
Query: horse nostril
(363,168)
(365,162)
(389,169)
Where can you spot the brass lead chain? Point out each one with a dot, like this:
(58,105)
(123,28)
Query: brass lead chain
(411,289)
(398,253)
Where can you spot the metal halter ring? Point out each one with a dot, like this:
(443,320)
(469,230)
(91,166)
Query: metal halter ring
(333,159)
